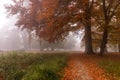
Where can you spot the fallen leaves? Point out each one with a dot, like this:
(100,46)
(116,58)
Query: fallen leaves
(76,70)
(83,67)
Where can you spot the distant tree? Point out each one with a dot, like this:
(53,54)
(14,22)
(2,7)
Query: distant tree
(68,43)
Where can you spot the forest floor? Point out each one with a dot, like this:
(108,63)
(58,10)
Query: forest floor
(79,66)
(88,67)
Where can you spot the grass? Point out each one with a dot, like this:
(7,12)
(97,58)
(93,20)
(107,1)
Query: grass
(112,68)
(24,66)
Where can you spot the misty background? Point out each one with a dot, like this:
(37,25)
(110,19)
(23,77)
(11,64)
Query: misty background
(12,38)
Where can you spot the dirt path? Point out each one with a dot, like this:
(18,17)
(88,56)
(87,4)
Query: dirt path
(78,69)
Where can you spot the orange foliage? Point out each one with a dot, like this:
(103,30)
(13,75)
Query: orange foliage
(50,19)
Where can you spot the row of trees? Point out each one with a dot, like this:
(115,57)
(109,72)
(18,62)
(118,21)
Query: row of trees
(52,20)
(32,42)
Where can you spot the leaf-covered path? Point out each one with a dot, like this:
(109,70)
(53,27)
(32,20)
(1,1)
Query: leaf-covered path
(80,68)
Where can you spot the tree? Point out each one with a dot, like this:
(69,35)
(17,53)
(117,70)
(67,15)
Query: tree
(73,13)
(67,43)
(46,17)
(114,29)
(87,25)
(109,10)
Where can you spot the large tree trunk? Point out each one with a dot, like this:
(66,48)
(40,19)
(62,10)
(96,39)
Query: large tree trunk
(88,40)
(104,41)
(88,34)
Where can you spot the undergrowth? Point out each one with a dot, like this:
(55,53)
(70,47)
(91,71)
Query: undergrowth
(28,66)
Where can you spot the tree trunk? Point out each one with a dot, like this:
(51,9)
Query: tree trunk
(104,41)
(88,34)
(47,48)
(88,40)
(41,46)
(95,50)
(52,49)
(41,49)
(107,19)
(106,49)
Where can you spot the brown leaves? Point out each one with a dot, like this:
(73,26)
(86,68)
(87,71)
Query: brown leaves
(76,70)
(83,67)
(94,70)
(47,9)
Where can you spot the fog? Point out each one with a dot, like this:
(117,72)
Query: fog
(12,38)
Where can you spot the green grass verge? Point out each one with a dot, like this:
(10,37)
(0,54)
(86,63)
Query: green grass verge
(24,66)
(112,68)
